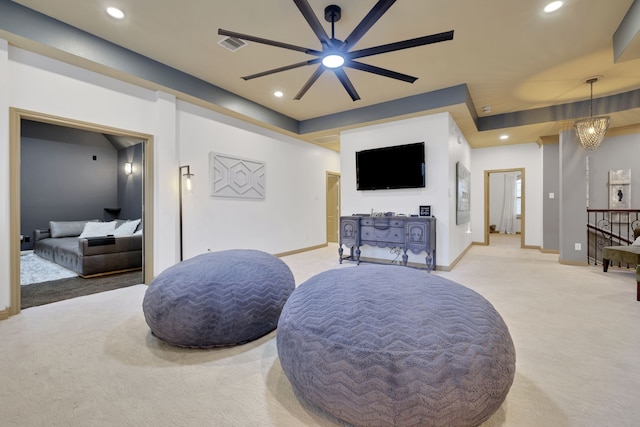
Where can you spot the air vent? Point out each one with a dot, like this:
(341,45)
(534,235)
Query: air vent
(232,43)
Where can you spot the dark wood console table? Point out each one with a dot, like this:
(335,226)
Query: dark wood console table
(415,234)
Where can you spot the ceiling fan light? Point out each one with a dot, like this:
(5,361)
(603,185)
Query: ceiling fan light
(333,60)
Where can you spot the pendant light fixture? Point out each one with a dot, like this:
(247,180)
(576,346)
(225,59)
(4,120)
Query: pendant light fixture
(591,131)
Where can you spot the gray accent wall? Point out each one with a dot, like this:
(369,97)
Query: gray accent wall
(550,206)
(573,199)
(130,186)
(617,152)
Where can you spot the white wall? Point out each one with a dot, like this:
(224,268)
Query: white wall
(292,217)
(527,156)
(442,150)
(293,213)
(5,295)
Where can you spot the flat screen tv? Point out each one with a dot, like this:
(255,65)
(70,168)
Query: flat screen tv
(399,166)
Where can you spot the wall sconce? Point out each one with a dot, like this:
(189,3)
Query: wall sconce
(187,184)
(128,168)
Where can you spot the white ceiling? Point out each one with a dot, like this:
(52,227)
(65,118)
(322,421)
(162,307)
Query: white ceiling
(512,56)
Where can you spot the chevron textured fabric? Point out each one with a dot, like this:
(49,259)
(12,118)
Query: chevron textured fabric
(218,298)
(392,346)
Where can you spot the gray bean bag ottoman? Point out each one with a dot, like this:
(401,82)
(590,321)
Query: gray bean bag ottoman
(218,298)
(393,346)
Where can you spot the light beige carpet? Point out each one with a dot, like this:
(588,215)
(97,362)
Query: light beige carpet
(91,361)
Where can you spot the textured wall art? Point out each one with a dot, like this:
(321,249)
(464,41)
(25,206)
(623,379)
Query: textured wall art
(237,178)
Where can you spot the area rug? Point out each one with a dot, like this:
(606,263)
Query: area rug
(34,269)
(58,290)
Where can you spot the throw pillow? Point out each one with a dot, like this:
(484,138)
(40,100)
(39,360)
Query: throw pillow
(636,242)
(126,228)
(98,229)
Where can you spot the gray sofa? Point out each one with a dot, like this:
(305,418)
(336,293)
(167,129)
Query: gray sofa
(88,256)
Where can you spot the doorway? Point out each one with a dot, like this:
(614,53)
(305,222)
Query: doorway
(333,206)
(16,119)
(494,195)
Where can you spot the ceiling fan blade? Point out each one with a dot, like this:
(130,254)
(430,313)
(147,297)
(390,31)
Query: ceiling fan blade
(380,71)
(313,21)
(268,42)
(309,82)
(285,68)
(342,76)
(405,44)
(367,22)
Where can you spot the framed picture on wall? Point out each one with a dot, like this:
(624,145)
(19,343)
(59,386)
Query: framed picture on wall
(619,194)
(463,194)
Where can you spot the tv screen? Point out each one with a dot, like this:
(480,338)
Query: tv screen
(400,166)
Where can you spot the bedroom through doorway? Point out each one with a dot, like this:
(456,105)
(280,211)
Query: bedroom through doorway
(71,173)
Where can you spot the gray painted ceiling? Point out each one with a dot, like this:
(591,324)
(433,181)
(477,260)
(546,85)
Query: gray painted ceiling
(527,66)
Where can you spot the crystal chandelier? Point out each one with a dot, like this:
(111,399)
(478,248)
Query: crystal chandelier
(591,131)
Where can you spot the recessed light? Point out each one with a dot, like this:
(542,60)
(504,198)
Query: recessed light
(486,109)
(553,6)
(504,137)
(278,94)
(114,12)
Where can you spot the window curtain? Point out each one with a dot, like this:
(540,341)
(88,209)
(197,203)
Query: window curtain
(508,218)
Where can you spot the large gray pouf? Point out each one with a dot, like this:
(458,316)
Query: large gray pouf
(218,298)
(393,346)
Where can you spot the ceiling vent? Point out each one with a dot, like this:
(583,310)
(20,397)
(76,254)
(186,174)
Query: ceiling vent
(232,43)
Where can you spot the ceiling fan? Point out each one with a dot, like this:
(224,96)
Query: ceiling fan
(337,54)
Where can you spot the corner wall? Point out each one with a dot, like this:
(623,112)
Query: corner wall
(444,146)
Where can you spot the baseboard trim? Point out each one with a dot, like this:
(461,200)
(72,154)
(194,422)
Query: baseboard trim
(457,260)
(576,263)
(301,250)
(4,314)
(108,273)
(550,251)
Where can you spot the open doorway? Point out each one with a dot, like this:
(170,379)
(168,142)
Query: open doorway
(504,206)
(333,206)
(119,139)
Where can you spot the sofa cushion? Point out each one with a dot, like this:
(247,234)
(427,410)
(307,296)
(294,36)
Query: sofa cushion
(116,245)
(68,228)
(97,229)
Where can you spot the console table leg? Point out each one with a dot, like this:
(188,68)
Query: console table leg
(429,260)
(340,250)
(405,258)
(358,255)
